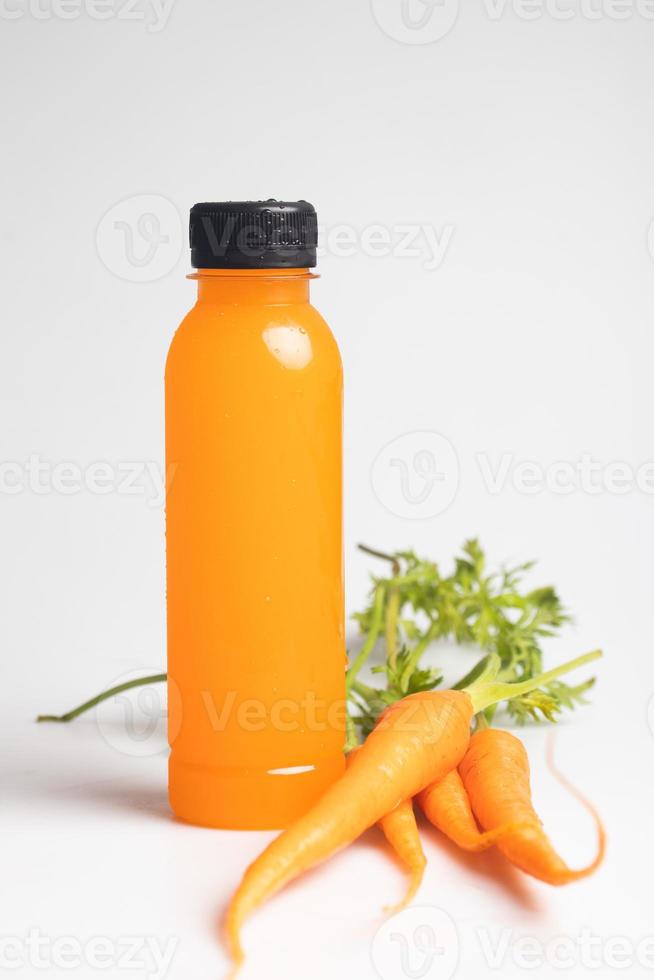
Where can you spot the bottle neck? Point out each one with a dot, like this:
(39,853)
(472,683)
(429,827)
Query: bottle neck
(265,287)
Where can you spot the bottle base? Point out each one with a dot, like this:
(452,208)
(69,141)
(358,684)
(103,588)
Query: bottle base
(247,799)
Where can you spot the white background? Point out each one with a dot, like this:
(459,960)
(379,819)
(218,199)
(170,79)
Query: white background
(523,139)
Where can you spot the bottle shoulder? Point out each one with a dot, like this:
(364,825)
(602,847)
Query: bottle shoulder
(295,334)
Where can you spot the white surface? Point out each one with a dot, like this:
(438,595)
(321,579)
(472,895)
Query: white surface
(526,148)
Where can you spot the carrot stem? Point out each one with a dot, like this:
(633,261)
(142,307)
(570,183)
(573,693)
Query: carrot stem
(392,611)
(137,682)
(418,650)
(364,690)
(486,691)
(371,639)
(351,740)
(381,554)
(476,673)
(481,722)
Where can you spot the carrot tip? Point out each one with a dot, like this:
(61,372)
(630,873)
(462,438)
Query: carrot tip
(576,874)
(416,881)
(235,970)
(233,936)
(236,951)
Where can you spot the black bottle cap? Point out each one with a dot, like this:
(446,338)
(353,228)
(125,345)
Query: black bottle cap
(253,235)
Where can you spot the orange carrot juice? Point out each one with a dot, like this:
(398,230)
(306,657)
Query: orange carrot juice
(256,657)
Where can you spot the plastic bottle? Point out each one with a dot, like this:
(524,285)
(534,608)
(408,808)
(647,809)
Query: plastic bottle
(256,655)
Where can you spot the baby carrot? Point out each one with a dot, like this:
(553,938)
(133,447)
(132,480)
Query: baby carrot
(401,831)
(495,772)
(447,807)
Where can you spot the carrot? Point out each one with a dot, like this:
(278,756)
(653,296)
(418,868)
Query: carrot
(416,741)
(401,831)
(447,807)
(495,772)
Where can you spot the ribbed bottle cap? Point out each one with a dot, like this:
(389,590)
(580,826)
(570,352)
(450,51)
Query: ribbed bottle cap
(253,235)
